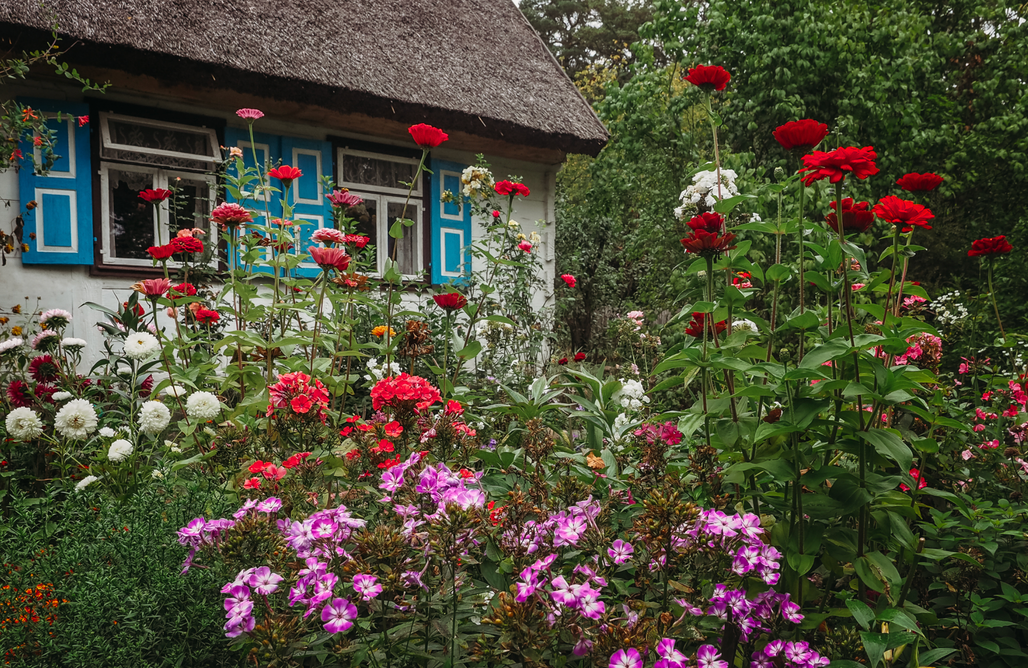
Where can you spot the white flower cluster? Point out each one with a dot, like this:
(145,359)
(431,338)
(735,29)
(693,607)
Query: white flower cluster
(72,342)
(119,450)
(85,482)
(377,372)
(23,424)
(76,420)
(476,181)
(492,332)
(949,310)
(632,395)
(141,345)
(704,190)
(203,406)
(153,417)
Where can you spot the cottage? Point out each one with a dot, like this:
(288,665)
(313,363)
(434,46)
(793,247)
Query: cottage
(339,83)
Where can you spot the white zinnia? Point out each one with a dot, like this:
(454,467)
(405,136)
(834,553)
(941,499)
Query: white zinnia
(85,482)
(141,345)
(23,424)
(61,396)
(203,406)
(119,450)
(745,326)
(76,420)
(107,432)
(153,417)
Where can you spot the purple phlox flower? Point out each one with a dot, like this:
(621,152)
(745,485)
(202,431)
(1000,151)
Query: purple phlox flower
(737,603)
(413,579)
(561,591)
(689,607)
(569,530)
(392,479)
(237,594)
(528,584)
(791,611)
(323,528)
(188,563)
(248,505)
(718,523)
(192,533)
(462,496)
(592,608)
(747,625)
(367,586)
(749,525)
(707,656)
(323,587)
(666,650)
(236,626)
(620,551)
(544,563)
(298,594)
(631,616)
(626,659)
(338,615)
(242,579)
(582,647)
(590,574)
(774,648)
(758,660)
(265,582)
(797,652)
(406,511)
(271,504)
(719,609)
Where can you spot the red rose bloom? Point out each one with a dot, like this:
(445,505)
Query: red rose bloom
(562,361)
(711,222)
(804,134)
(838,164)
(186,245)
(569,279)
(855,216)
(330,258)
(898,211)
(207,316)
(708,77)
(285,174)
(496,214)
(161,253)
(989,247)
(695,327)
(704,243)
(450,301)
(154,195)
(427,136)
(579,357)
(915,182)
(510,188)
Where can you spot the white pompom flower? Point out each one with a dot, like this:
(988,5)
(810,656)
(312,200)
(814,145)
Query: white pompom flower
(153,417)
(23,424)
(141,345)
(61,396)
(203,406)
(744,325)
(107,432)
(76,420)
(85,482)
(119,450)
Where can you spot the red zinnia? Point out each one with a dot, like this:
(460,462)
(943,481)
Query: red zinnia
(855,216)
(989,247)
(711,222)
(695,327)
(427,136)
(562,361)
(450,301)
(838,164)
(579,357)
(154,195)
(704,243)
(230,214)
(915,182)
(569,279)
(250,114)
(804,134)
(708,77)
(511,188)
(152,287)
(186,245)
(330,258)
(898,211)
(358,240)
(285,174)
(207,316)
(183,290)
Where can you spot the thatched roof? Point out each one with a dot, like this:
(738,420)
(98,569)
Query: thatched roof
(474,66)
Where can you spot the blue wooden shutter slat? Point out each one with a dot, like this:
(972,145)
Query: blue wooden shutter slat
(307,197)
(62,220)
(451,225)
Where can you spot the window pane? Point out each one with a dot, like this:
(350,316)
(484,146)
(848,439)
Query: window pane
(190,207)
(131,218)
(406,249)
(377,172)
(149,138)
(366,216)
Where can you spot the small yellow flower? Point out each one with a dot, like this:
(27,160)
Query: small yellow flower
(24,248)
(381,330)
(16,309)
(4,320)
(16,331)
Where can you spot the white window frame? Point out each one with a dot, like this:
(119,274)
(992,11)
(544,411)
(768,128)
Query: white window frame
(161,178)
(105,138)
(383,197)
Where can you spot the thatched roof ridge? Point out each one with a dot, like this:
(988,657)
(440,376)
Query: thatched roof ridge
(475,66)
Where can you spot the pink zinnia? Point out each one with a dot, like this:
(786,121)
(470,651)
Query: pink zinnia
(328,235)
(344,197)
(250,114)
(330,258)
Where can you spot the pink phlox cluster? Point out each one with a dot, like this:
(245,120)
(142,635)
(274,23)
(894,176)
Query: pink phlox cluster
(321,534)
(201,533)
(667,432)
(925,351)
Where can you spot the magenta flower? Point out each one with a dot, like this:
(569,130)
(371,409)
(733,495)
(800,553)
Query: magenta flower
(666,650)
(791,611)
(626,659)
(367,586)
(582,647)
(270,505)
(250,114)
(591,607)
(707,656)
(264,582)
(340,198)
(339,615)
(620,551)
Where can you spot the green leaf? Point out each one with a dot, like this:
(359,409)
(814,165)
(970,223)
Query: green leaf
(861,613)
(889,445)
(875,645)
(778,272)
(470,351)
(396,230)
(933,655)
(726,205)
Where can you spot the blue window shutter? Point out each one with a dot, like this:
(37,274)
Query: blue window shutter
(62,220)
(268,149)
(451,225)
(307,195)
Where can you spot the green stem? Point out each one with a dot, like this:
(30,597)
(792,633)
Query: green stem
(802,250)
(317,319)
(995,306)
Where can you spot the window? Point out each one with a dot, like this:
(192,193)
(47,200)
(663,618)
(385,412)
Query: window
(139,153)
(378,179)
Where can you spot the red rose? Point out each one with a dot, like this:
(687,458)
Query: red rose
(427,136)
(330,258)
(450,301)
(989,247)
(285,174)
(496,214)
(804,134)
(186,245)
(898,211)
(704,243)
(207,316)
(569,279)
(838,164)
(510,188)
(154,195)
(695,327)
(708,222)
(562,361)
(855,217)
(161,252)
(915,182)
(708,77)
(525,246)
(579,357)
